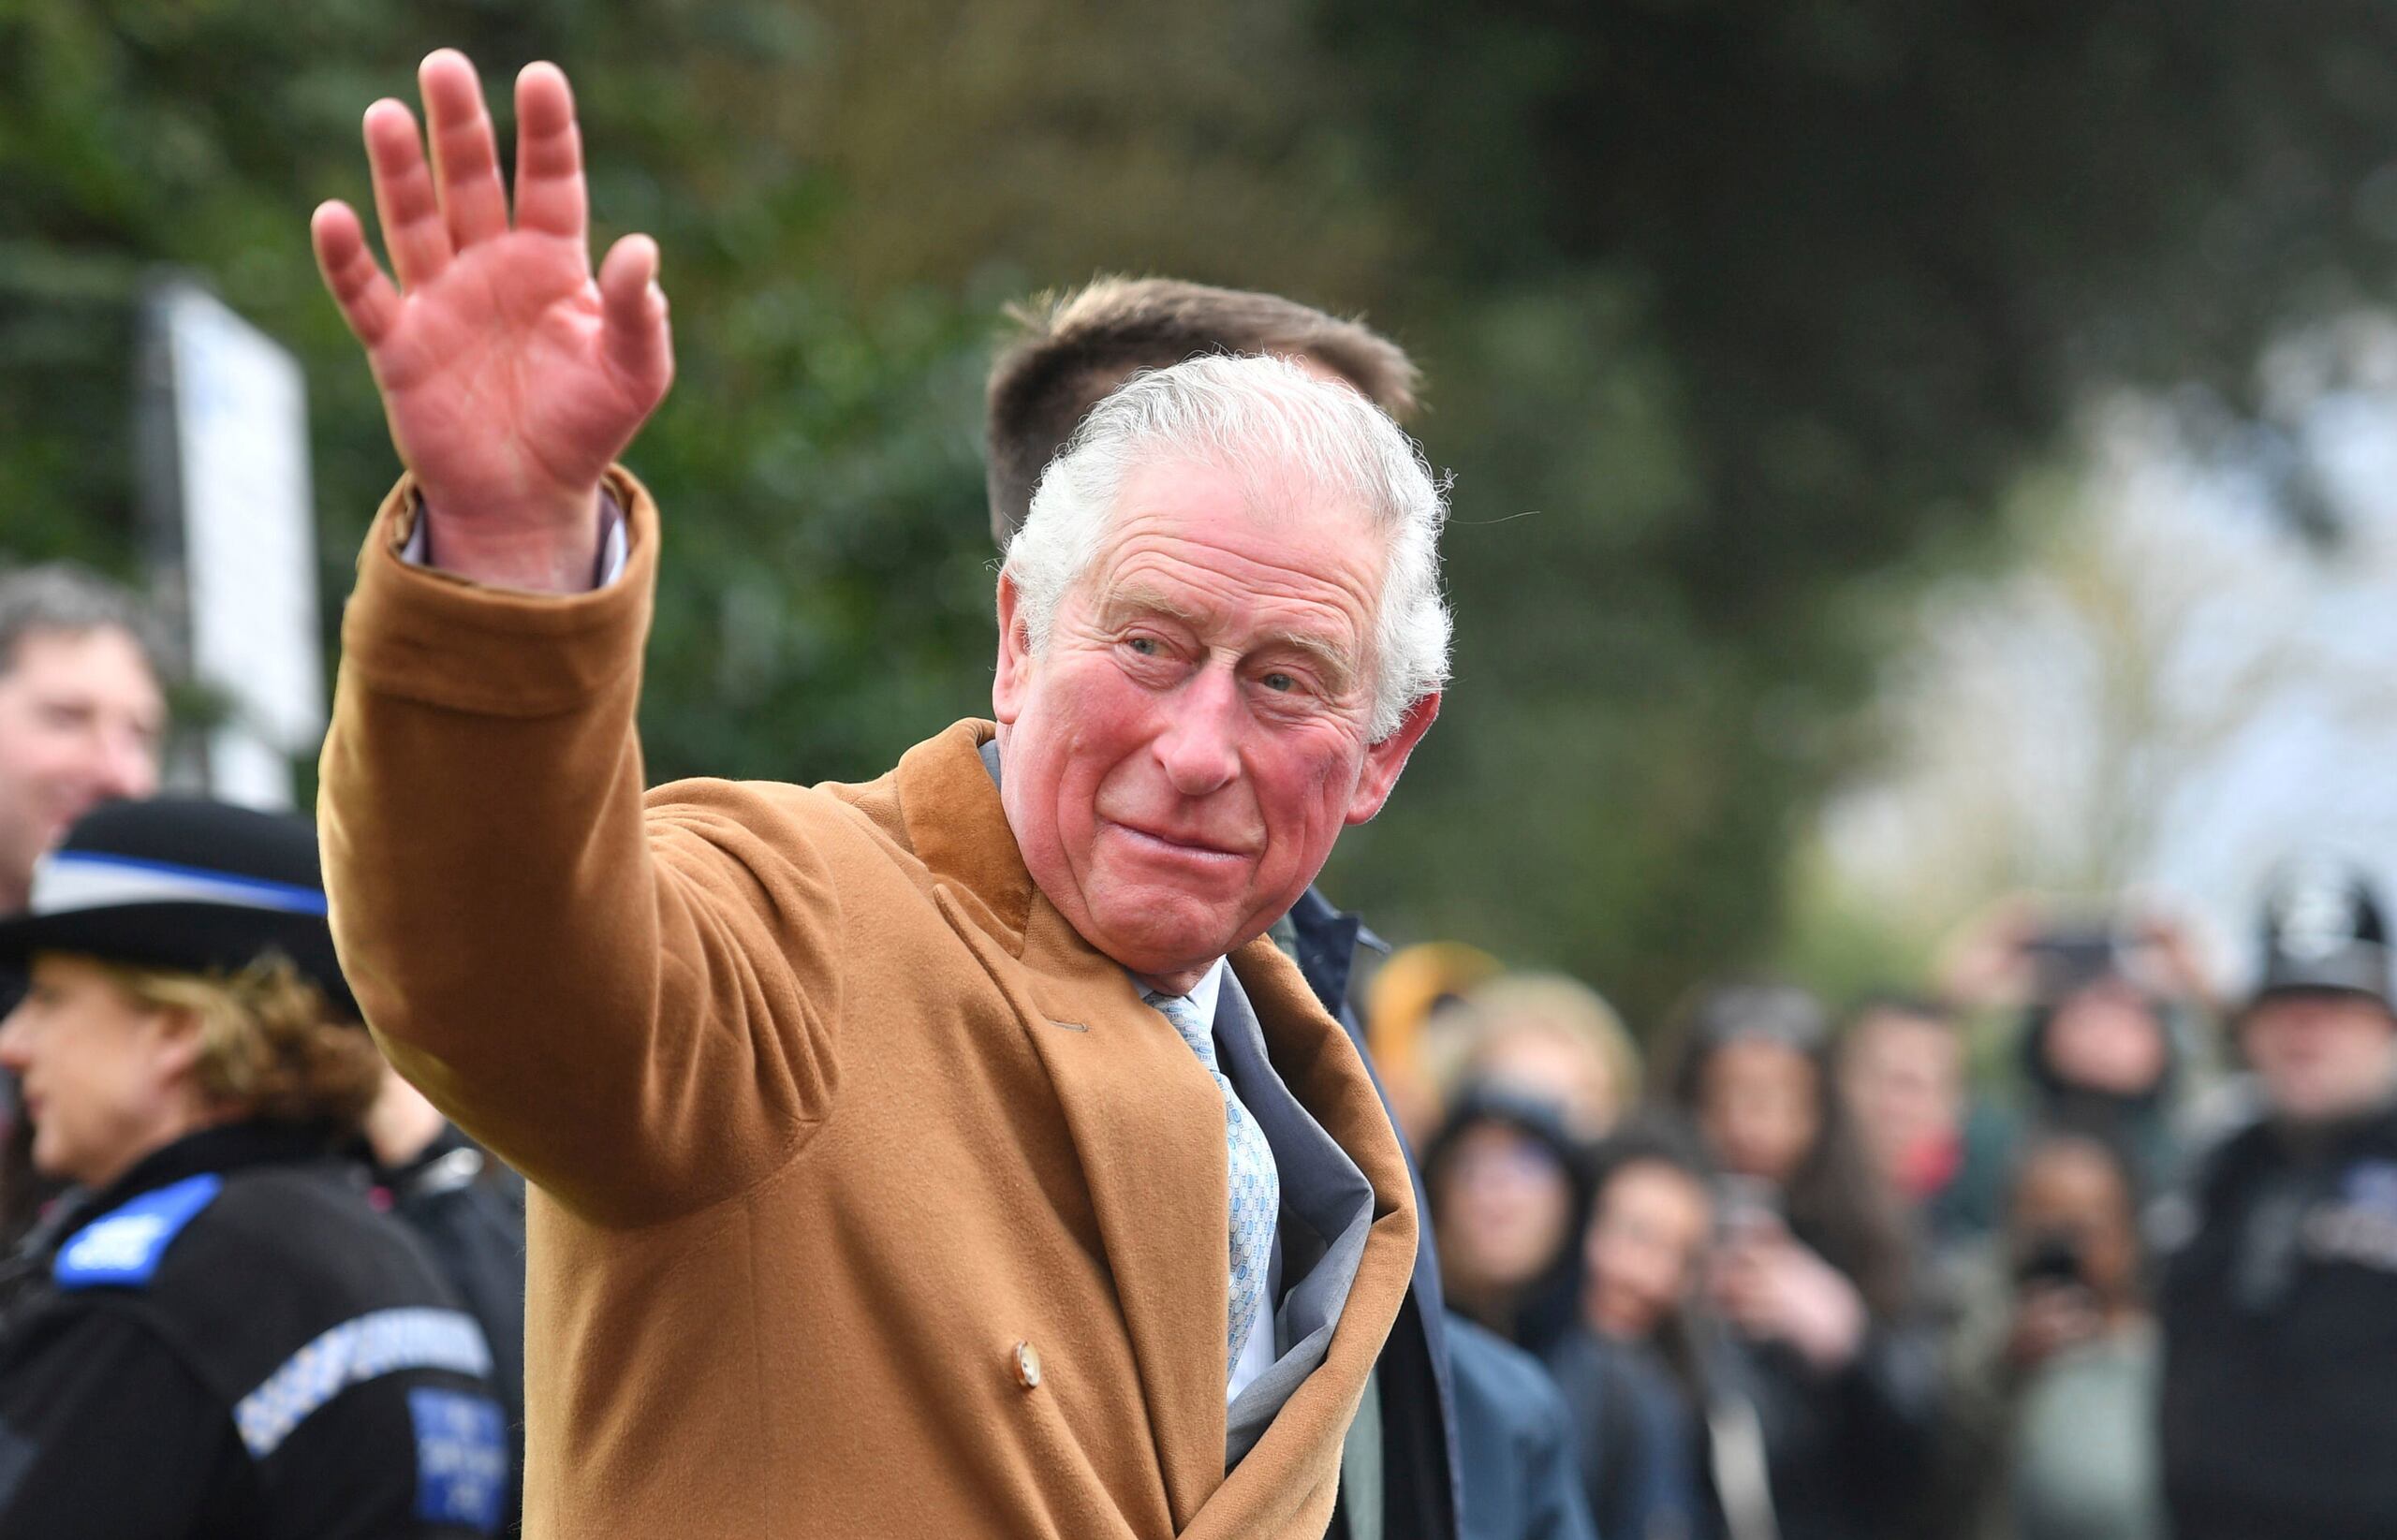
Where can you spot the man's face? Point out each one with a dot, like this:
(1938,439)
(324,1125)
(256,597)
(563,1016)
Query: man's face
(80,722)
(1181,756)
(2320,1055)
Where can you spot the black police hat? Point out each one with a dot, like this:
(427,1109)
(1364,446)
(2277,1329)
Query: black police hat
(2324,929)
(184,884)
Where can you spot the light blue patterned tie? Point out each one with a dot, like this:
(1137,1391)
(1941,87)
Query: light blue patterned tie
(1256,1184)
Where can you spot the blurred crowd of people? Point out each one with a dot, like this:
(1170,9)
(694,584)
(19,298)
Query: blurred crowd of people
(2061,1247)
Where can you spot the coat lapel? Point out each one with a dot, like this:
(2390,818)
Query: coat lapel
(1146,1123)
(1148,1126)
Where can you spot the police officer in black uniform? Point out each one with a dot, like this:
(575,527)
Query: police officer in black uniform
(214,1333)
(2279,1310)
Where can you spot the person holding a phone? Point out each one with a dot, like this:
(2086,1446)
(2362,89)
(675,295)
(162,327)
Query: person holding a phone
(2109,1010)
(1814,1272)
(2049,1426)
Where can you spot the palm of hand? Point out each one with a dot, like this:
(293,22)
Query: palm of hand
(496,382)
(510,375)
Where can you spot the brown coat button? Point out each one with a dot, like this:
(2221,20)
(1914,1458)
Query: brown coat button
(1027,1366)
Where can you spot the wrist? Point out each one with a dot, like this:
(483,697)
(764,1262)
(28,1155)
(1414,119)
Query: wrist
(552,550)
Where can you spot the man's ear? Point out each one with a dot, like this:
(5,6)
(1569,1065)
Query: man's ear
(1385,760)
(1014,674)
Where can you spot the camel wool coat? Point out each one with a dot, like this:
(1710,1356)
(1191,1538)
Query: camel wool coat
(868,1199)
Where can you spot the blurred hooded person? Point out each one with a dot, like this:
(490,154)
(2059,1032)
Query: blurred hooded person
(1507,1184)
(2104,1052)
(2279,1301)
(215,1332)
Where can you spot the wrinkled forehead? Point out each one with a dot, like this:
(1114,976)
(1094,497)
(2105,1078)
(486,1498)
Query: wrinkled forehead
(1222,549)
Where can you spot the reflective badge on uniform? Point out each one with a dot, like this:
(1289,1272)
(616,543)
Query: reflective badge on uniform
(461,1457)
(2372,1184)
(2359,1226)
(123,1246)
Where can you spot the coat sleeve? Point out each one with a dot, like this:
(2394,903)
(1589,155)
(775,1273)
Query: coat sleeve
(624,997)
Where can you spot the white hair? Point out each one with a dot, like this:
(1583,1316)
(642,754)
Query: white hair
(1281,430)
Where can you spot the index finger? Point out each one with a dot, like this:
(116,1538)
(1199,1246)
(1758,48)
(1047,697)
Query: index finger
(550,196)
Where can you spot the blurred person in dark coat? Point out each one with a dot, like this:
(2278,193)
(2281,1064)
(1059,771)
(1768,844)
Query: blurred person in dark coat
(467,1208)
(83,720)
(1504,1182)
(1814,1273)
(1068,352)
(216,1333)
(1630,1367)
(1517,1437)
(2052,1372)
(2279,1299)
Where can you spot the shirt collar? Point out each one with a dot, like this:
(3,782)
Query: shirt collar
(1204,993)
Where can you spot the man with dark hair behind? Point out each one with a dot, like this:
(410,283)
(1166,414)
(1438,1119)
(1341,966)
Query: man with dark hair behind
(1072,347)
(1401,1476)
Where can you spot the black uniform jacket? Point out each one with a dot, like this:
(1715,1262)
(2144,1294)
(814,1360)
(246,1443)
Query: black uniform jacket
(2280,1341)
(468,1211)
(232,1342)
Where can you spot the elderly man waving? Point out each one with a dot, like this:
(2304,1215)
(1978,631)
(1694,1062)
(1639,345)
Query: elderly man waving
(945,1156)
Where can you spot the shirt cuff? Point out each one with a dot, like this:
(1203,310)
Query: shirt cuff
(615,546)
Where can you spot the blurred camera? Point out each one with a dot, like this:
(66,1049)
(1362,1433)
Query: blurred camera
(2053,1258)
(2067,958)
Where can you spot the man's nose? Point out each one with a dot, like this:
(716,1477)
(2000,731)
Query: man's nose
(1199,748)
(12,1043)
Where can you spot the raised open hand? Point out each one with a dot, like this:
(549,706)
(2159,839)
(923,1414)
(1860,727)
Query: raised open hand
(510,378)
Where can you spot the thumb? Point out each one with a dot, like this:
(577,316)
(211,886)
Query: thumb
(634,337)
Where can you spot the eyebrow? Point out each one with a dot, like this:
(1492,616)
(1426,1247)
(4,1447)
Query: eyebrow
(1140,598)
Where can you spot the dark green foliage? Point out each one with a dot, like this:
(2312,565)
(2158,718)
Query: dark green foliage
(1738,318)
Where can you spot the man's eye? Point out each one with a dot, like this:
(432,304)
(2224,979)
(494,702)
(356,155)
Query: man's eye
(1280,683)
(1148,647)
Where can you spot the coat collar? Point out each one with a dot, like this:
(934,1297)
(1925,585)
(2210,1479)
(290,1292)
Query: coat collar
(958,829)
